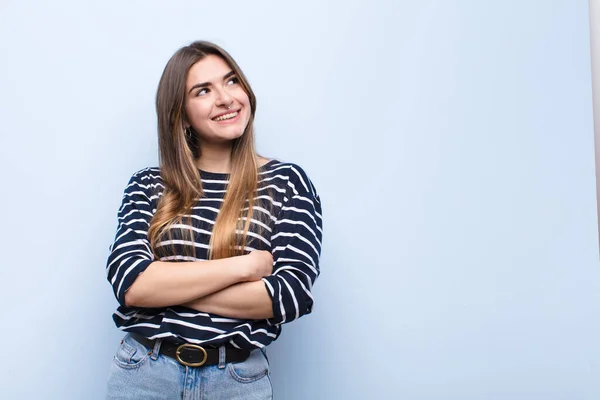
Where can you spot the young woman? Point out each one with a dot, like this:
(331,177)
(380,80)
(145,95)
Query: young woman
(215,250)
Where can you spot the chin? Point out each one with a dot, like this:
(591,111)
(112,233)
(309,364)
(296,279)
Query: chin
(229,136)
(232,132)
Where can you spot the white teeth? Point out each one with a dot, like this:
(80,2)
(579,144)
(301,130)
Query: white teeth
(226,116)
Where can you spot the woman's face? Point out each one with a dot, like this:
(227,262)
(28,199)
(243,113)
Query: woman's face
(216,105)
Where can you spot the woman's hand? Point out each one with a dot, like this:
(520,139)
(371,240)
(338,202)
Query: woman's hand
(258,264)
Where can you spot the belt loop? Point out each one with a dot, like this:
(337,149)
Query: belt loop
(156,349)
(221,356)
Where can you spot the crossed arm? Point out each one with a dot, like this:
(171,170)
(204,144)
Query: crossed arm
(247,300)
(229,287)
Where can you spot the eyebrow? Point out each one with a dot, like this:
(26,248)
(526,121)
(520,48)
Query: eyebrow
(205,84)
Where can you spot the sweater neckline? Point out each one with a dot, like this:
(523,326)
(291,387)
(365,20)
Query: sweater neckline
(221,175)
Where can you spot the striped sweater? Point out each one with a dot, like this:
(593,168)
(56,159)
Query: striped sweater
(287,221)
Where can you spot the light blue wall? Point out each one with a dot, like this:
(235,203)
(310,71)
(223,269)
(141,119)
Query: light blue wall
(451,143)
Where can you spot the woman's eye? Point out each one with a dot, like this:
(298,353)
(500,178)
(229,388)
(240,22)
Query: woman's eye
(233,81)
(202,92)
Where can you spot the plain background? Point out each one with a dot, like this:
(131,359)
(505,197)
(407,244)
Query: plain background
(451,143)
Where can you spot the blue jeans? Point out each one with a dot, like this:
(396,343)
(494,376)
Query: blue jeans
(138,373)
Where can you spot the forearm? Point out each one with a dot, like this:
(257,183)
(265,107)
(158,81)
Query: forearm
(247,300)
(167,283)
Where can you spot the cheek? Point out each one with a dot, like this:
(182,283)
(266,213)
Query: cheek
(197,112)
(240,96)
(245,101)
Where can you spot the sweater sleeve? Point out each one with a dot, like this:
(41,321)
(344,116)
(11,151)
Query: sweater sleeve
(130,253)
(296,248)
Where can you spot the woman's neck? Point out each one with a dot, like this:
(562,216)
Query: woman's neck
(218,160)
(215,159)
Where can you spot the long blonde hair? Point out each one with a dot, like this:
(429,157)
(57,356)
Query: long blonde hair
(178,149)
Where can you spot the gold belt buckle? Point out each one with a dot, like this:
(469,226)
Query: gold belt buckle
(191,346)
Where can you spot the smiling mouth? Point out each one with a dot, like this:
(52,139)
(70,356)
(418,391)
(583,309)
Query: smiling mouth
(227,116)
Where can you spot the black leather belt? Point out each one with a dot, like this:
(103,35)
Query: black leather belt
(192,355)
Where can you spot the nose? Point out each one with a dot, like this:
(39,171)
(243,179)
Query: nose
(224,98)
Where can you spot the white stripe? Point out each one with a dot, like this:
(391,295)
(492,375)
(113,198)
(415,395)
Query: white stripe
(122,255)
(214,191)
(305,199)
(194,244)
(132,202)
(255,235)
(277,188)
(264,211)
(302,211)
(260,330)
(133,243)
(199,218)
(300,177)
(279,166)
(135,210)
(291,291)
(148,186)
(126,273)
(292,222)
(121,235)
(308,292)
(115,273)
(289,269)
(285,178)
(135,220)
(296,250)
(297,235)
(269,286)
(190,315)
(281,308)
(194,326)
(183,242)
(215,181)
(139,251)
(226,320)
(162,335)
(293,260)
(257,222)
(275,203)
(215,210)
(290,184)
(150,176)
(129,194)
(144,324)
(182,258)
(188,227)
